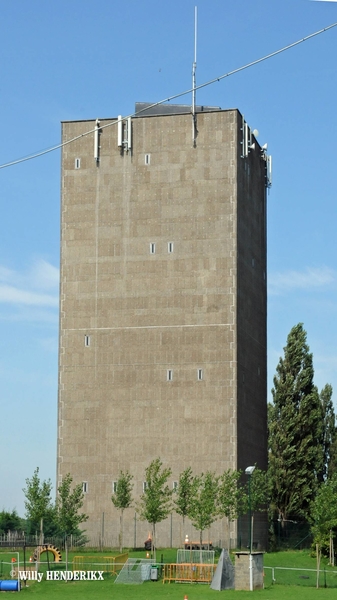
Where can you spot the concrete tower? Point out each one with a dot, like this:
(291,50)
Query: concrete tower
(163,306)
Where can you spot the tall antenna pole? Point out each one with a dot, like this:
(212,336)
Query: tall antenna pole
(194,67)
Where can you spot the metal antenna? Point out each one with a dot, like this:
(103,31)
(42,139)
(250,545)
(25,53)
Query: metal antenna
(194,67)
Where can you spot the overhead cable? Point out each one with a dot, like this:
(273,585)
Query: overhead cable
(198,87)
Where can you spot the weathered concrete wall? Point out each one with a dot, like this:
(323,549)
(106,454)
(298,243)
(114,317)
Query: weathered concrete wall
(142,314)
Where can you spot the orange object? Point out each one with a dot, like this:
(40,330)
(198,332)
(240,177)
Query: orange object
(13,559)
(186,597)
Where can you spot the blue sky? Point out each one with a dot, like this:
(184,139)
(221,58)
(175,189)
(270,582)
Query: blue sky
(75,59)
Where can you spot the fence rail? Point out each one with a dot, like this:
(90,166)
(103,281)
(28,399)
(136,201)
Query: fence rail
(188,572)
(300,576)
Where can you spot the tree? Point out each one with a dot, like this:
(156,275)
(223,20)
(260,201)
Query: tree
(254,497)
(329,438)
(204,506)
(185,492)
(68,504)
(229,495)
(323,518)
(156,501)
(295,430)
(9,521)
(38,502)
(260,490)
(122,499)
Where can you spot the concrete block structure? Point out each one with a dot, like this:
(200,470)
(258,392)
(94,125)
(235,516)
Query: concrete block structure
(162,307)
(249,571)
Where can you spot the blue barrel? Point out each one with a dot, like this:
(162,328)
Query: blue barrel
(9,586)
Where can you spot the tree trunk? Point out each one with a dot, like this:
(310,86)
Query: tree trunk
(41,532)
(153,542)
(318,555)
(66,543)
(121,533)
(201,531)
(333,553)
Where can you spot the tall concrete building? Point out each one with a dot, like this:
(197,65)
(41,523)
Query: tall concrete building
(163,306)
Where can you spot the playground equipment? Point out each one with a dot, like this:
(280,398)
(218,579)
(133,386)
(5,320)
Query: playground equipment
(110,564)
(6,585)
(47,548)
(9,565)
(188,573)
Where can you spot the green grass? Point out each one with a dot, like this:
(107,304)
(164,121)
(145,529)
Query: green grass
(289,584)
(303,560)
(157,591)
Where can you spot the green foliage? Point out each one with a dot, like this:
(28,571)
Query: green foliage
(155,503)
(329,438)
(122,499)
(295,430)
(323,516)
(204,506)
(230,495)
(68,504)
(260,490)
(10,521)
(38,501)
(185,492)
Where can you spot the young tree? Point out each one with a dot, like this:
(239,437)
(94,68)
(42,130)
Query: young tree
(122,499)
(260,490)
(229,495)
(323,518)
(295,430)
(254,496)
(185,492)
(156,501)
(68,504)
(329,439)
(38,502)
(204,506)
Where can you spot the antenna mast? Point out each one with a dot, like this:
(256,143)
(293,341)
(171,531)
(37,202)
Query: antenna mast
(194,67)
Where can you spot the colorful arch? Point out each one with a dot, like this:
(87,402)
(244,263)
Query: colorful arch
(47,548)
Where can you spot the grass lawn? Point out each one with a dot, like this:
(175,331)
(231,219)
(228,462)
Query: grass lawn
(289,583)
(157,591)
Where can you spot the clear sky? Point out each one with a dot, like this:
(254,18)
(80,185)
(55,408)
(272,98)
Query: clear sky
(78,59)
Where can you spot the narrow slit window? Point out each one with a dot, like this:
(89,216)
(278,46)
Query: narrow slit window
(152,248)
(147,159)
(200,375)
(87,341)
(77,163)
(175,485)
(169,375)
(114,487)
(85,487)
(170,247)
(144,486)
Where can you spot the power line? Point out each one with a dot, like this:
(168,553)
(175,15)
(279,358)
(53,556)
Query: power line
(198,87)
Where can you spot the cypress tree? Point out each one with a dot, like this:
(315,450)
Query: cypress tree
(295,430)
